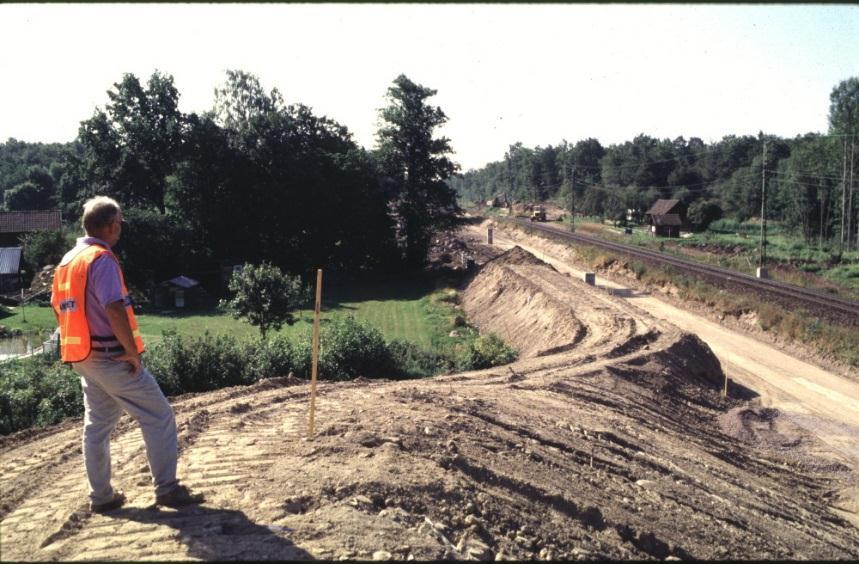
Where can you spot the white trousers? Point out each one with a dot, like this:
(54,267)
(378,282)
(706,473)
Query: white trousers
(109,389)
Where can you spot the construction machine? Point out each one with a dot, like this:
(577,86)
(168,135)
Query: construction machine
(538,213)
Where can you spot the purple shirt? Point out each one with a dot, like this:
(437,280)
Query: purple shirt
(104,286)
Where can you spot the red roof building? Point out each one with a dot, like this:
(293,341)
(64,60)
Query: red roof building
(13,224)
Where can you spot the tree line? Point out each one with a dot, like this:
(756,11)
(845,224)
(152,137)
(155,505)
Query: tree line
(253,179)
(808,178)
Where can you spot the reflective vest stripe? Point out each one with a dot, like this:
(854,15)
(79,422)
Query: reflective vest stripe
(70,341)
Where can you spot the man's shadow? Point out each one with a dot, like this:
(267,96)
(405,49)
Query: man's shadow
(219,534)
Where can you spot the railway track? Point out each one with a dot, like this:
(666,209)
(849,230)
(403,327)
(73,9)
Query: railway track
(843,309)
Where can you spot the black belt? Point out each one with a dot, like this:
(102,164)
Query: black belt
(109,349)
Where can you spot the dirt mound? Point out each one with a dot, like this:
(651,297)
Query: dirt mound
(43,279)
(447,250)
(608,447)
(518,255)
(506,300)
(755,425)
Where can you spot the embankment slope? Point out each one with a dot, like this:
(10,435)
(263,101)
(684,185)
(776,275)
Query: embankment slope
(608,438)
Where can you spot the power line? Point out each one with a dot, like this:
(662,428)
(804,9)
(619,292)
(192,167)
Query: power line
(671,160)
(833,134)
(785,181)
(702,186)
(801,173)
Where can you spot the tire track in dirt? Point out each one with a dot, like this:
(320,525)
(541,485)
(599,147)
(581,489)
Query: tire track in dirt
(780,379)
(222,447)
(609,450)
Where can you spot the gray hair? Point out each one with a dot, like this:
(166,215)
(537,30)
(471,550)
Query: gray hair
(99,212)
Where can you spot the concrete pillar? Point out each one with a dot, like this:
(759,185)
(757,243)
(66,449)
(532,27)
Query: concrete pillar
(590,278)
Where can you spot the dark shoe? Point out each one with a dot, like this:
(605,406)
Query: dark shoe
(117,502)
(179,496)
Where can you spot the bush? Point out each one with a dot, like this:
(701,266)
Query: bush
(352,348)
(702,213)
(638,268)
(37,392)
(486,351)
(411,361)
(276,356)
(45,247)
(198,365)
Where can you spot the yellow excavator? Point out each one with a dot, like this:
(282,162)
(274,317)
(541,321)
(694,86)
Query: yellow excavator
(538,214)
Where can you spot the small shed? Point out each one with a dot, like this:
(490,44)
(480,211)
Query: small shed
(666,218)
(180,292)
(10,269)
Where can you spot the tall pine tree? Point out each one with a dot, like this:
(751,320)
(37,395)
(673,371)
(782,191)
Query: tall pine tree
(416,166)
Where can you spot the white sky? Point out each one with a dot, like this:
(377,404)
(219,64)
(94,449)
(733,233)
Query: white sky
(504,73)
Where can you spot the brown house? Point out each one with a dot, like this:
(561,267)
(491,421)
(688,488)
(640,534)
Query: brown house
(13,224)
(666,218)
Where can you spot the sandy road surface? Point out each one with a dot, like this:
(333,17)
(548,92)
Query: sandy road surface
(824,403)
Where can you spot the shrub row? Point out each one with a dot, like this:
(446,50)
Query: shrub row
(38,392)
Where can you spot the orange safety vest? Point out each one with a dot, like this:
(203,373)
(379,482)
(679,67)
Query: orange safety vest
(68,298)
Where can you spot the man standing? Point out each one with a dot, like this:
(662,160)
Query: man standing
(99,336)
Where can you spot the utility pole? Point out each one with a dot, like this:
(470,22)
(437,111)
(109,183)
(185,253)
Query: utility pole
(762,270)
(850,205)
(573,199)
(844,209)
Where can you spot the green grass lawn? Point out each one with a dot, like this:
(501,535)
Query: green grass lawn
(406,310)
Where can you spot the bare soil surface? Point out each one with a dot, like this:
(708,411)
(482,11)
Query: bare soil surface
(608,438)
(827,398)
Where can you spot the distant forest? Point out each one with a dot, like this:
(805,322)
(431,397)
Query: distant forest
(253,179)
(807,178)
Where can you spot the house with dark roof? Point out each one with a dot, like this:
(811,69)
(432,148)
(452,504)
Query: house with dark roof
(13,224)
(666,218)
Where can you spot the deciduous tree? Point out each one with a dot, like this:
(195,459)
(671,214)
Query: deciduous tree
(265,296)
(132,145)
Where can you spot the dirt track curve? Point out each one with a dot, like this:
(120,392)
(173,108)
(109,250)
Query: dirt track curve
(824,402)
(608,438)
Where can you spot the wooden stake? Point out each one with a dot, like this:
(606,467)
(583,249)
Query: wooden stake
(725,391)
(315,363)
